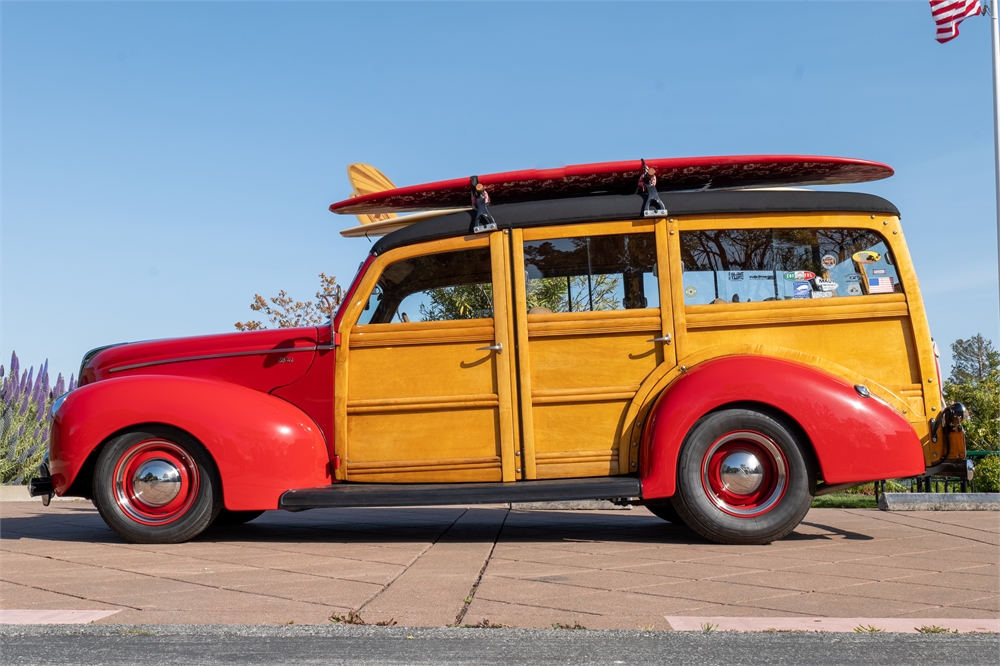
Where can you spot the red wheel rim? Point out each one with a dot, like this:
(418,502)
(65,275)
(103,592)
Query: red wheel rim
(156,482)
(745,473)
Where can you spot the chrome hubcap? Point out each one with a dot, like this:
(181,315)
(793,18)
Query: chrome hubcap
(744,473)
(156,482)
(741,473)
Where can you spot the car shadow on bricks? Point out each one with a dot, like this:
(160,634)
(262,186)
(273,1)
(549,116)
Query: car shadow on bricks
(834,532)
(409,525)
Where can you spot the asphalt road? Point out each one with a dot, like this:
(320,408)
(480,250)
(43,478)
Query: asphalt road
(99,645)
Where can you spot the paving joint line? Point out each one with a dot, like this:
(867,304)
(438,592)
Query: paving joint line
(417,559)
(948,534)
(941,522)
(260,568)
(177,580)
(67,594)
(524,605)
(790,593)
(475,586)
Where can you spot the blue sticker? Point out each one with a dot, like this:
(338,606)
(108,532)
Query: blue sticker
(801,290)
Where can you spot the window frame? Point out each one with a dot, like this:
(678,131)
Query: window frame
(591,229)
(878,225)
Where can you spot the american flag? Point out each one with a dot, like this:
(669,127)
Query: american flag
(880,286)
(949,13)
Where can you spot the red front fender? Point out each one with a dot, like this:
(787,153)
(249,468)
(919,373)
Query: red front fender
(262,445)
(854,438)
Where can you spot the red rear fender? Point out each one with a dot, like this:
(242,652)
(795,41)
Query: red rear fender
(853,438)
(261,444)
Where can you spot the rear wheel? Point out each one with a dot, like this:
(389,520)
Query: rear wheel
(156,487)
(743,478)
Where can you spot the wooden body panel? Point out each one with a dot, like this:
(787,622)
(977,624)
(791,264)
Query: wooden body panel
(881,340)
(423,403)
(570,396)
(581,387)
(579,371)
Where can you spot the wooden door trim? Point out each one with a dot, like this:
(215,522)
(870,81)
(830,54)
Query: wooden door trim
(423,404)
(524,360)
(502,335)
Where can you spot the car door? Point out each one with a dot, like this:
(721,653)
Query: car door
(590,328)
(425,361)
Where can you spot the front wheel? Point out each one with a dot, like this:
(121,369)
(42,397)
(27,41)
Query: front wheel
(156,487)
(743,477)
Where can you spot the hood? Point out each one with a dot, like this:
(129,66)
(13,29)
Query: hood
(263,360)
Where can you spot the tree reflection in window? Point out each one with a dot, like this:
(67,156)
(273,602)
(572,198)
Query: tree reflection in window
(591,273)
(716,261)
(434,287)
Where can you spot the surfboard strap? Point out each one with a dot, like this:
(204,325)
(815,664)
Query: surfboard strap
(651,204)
(482,220)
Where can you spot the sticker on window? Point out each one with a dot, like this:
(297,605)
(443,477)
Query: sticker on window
(746,286)
(822,284)
(801,290)
(882,285)
(867,257)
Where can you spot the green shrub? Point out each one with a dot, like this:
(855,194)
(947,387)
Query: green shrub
(987,477)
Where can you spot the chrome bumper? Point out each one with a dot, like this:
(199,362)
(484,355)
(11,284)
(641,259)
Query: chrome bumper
(961,468)
(41,485)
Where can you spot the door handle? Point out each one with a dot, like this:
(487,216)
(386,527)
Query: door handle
(498,348)
(665,338)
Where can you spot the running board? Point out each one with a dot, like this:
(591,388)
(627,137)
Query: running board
(425,494)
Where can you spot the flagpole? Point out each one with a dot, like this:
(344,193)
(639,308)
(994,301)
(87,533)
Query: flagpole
(996,115)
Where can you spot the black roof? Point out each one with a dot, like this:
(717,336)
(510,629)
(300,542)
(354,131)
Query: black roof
(605,208)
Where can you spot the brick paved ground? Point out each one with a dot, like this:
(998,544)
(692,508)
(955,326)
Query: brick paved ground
(428,566)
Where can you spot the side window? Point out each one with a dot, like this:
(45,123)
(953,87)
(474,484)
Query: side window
(588,273)
(435,287)
(741,265)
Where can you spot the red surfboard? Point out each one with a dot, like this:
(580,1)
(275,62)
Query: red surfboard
(672,175)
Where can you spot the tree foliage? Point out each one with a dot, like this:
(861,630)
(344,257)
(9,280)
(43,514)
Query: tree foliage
(575,294)
(283,311)
(975,382)
(973,359)
(987,478)
(465,301)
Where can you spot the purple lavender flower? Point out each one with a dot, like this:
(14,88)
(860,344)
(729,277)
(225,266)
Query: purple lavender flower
(24,404)
(57,390)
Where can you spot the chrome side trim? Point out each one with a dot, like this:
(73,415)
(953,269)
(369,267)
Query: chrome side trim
(205,357)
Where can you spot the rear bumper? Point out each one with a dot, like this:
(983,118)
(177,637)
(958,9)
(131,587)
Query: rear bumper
(41,485)
(961,468)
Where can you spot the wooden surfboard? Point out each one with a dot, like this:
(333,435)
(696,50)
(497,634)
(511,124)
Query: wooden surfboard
(366,179)
(672,175)
(383,227)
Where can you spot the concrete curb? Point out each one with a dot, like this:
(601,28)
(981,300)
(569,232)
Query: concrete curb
(20,494)
(939,502)
(833,624)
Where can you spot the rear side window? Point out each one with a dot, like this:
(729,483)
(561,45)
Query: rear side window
(591,273)
(435,287)
(748,265)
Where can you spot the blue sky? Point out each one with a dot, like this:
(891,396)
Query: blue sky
(164,162)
